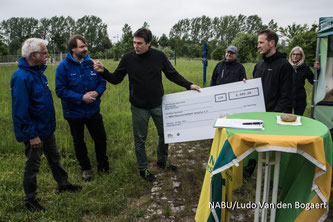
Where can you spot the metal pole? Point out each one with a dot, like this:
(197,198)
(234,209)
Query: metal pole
(315,81)
(204,61)
(266,186)
(275,184)
(258,187)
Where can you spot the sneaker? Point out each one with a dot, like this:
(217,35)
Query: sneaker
(167,165)
(87,175)
(70,188)
(34,206)
(147,175)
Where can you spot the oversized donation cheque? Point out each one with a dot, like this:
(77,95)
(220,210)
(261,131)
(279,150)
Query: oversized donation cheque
(190,115)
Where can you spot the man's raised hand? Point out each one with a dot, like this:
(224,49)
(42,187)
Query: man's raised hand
(98,66)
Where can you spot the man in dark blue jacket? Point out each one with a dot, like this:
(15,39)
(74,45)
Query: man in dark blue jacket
(34,120)
(80,87)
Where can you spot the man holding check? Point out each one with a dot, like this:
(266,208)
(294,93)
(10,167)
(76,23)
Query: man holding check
(143,66)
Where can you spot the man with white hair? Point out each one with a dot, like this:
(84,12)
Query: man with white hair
(34,120)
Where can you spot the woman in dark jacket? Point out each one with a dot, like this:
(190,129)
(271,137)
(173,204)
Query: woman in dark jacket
(301,73)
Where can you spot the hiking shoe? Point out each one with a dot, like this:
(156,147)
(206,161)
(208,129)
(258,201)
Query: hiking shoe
(249,169)
(167,165)
(70,188)
(34,206)
(87,175)
(147,175)
(104,171)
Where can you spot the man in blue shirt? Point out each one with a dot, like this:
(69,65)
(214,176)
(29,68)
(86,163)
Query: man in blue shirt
(80,87)
(34,120)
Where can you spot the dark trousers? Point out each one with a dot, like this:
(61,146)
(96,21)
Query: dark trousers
(299,109)
(32,165)
(140,120)
(96,129)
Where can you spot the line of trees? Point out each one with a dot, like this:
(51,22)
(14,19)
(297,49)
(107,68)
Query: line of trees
(56,30)
(186,37)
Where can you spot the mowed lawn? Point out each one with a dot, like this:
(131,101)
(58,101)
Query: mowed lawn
(105,197)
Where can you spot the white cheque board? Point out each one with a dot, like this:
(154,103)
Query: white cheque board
(190,115)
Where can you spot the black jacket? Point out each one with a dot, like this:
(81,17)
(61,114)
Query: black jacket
(145,78)
(276,76)
(300,74)
(228,72)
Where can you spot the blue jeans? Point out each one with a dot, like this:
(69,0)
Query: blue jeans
(96,129)
(32,165)
(140,119)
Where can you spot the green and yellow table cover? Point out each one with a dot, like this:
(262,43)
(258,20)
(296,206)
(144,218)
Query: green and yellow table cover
(305,171)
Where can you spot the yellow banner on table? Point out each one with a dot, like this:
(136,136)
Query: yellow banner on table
(232,180)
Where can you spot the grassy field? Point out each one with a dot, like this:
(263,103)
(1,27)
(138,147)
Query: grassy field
(116,197)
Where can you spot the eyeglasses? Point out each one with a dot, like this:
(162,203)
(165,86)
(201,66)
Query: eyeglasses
(296,54)
(43,53)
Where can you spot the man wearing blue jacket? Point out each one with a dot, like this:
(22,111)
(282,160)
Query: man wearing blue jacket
(34,120)
(80,87)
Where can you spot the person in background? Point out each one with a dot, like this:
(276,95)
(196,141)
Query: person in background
(300,74)
(275,73)
(228,70)
(144,66)
(80,89)
(34,120)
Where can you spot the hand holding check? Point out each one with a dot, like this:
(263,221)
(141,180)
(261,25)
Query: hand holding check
(195,87)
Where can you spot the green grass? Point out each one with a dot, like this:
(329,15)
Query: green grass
(106,197)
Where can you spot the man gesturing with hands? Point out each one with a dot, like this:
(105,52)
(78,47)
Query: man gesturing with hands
(144,66)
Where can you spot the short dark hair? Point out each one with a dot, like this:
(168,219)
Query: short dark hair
(72,42)
(144,33)
(270,35)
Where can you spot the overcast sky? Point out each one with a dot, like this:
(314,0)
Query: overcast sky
(162,15)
